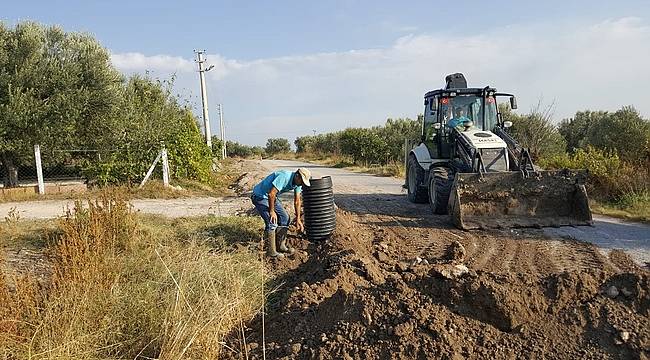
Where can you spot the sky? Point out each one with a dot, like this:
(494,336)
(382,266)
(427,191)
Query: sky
(288,68)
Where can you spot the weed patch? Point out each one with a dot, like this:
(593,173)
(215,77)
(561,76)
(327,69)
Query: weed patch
(127,287)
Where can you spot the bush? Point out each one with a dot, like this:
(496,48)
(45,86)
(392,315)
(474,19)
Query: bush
(575,130)
(364,146)
(151,117)
(321,144)
(536,132)
(610,178)
(380,145)
(235,149)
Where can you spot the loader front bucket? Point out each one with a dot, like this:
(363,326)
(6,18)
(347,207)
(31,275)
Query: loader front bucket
(508,199)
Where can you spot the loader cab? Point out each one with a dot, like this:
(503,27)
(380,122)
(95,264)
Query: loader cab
(445,111)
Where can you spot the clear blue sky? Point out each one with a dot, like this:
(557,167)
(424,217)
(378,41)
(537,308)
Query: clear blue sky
(330,64)
(259,29)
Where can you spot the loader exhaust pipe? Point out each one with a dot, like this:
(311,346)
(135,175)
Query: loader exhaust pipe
(509,199)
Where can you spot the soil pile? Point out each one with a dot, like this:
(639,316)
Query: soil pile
(354,297)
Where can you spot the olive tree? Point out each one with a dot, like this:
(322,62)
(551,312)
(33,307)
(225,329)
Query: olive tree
(277,145)
(55,87)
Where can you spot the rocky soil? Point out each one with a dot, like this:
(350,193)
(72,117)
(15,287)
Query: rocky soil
(356,297)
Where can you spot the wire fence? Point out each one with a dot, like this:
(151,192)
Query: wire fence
(48,171)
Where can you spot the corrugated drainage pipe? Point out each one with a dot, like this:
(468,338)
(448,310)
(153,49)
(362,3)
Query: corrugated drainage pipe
(320,213)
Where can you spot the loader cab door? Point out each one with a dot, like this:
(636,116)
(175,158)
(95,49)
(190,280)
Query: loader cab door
(431,135)
(445,134)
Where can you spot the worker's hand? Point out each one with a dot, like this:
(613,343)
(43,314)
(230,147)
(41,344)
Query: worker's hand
(299,226)
(274,217)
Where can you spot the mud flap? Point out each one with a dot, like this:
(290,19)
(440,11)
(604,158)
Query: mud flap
(508,199)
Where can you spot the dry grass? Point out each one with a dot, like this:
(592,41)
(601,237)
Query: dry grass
(126,287)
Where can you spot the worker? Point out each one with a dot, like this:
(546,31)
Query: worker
(276,220)
(459,118)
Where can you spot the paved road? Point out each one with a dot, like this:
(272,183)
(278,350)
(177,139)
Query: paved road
(608,233)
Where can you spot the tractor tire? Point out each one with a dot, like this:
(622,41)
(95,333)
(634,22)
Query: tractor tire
(415,176)
(440,180)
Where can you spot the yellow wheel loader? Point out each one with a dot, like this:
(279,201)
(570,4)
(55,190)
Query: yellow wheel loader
(468,166)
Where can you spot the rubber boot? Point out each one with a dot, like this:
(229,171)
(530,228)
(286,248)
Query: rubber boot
(281,236)
(269,236)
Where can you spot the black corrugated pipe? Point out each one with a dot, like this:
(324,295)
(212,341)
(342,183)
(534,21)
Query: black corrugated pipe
(320,213)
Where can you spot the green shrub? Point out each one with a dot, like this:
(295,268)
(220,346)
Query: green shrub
(610,178)
(379,145)
(235,149)
(151,117)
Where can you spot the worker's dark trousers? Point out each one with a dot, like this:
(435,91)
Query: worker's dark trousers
(262,207)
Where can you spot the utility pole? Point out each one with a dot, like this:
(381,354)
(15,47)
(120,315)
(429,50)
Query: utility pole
(223,132)
(204,95)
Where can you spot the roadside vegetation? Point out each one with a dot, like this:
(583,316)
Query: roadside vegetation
(219,185)
(59,90)
(378,150)
(613,146)
(118,285)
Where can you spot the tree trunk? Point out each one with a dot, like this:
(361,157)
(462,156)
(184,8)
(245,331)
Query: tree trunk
(11,176)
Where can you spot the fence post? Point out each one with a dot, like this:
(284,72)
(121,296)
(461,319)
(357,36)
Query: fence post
(165,166)
(39,169)
(153,166)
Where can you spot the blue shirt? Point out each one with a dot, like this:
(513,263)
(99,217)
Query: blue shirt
(281,180)
(457,121)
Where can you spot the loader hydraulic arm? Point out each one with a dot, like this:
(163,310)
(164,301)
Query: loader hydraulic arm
(524,160)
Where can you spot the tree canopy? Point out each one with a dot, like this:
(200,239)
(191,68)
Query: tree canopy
(623,131)
(59,90)
(55,87)
(277,145)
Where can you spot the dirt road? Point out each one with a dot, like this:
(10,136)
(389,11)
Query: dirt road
(181,207)
(395,282)
(380,201)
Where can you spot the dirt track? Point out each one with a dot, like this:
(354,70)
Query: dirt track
(380,201)
(396,282)
(174,208)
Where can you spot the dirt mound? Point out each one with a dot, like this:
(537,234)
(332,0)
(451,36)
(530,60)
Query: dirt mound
(355,297)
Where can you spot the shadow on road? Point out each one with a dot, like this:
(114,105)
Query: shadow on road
(391,210)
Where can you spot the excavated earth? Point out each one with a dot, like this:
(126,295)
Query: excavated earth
(393,284)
